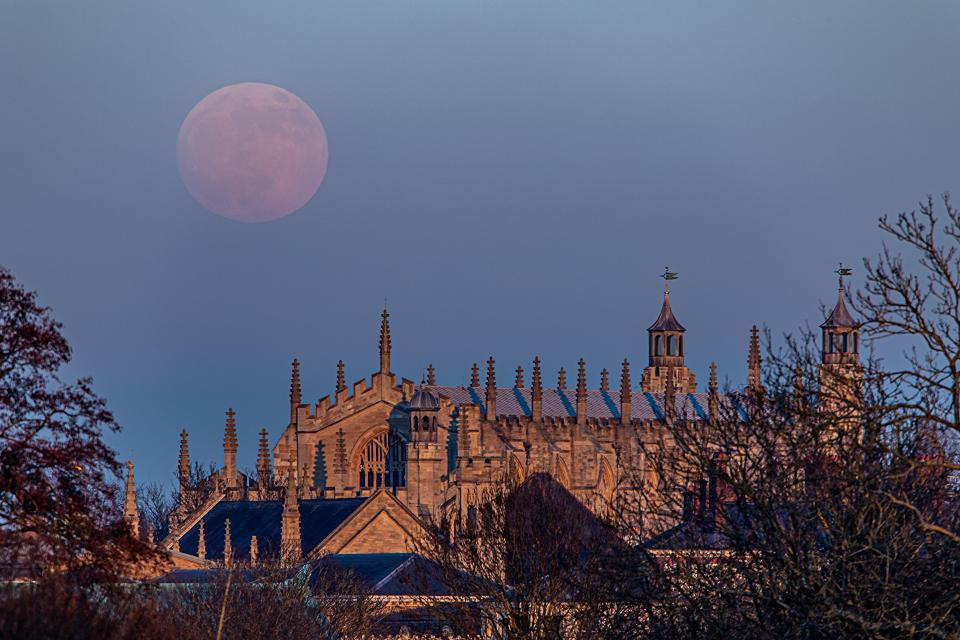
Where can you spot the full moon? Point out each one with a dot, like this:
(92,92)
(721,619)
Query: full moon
(252,152)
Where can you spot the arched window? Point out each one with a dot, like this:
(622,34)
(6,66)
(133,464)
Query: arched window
(670,345)
(416,423)
(856,342)
(657,345)
(382,462)
(843,342)
(680,339)
(833,346)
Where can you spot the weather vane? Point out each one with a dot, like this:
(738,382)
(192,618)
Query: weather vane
(667,277)
(843,271)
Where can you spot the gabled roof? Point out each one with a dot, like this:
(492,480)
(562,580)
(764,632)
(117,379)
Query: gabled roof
(318,518)
(839,318)
(561,403)
(666,321)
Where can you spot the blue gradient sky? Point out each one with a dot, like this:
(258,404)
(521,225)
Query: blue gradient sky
(512,175)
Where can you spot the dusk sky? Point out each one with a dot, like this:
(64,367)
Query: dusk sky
(511,176)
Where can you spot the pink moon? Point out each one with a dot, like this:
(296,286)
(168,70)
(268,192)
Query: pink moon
(252,152)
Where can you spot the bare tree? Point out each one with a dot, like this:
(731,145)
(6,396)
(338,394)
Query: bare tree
(824,504)
(531,561)
(56,497)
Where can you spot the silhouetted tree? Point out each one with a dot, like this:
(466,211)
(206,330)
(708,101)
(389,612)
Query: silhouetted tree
(56,503)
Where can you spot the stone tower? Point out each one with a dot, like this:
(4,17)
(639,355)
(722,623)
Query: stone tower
(426,454)
(666,349)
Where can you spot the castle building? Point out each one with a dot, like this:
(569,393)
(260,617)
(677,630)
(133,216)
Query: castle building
(363,469)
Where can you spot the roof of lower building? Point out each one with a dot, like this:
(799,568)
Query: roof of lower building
(318,518)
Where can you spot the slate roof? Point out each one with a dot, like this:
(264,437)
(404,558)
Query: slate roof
(839,318)
(558,403)
(318,518)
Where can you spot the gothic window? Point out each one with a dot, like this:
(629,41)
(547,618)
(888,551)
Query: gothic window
(843,342)
(416,423)
(680,339)
(382,462)
(670,341)
(832,342)
(657,346)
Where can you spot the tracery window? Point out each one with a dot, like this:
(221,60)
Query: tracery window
(383,462)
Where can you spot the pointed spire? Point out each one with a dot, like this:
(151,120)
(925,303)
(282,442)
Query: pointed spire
(254,551)
(290,521)
(666,321)
(753,360)
(626,393)
(183,463)
(491,390)
(202,542)
(536,391)
(562,378)
(294,390)
(227,544)
(263,462)
(385,341)
(604,383)
(581,391)
(714,398)
(230,449)
(518,383)
(431,375)
(474,375)
(341,383)
(130,512)
(840,318)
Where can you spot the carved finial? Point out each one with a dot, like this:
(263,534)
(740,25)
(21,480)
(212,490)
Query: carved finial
(536,388)
(518,383)
(227,544)
(202,542)
(254,551)
(714,398)
(341,383)
(562,378)
(294,390)
(263,462)
(581,378)
(431,375)
(130,512)
(474,375)
(536,391)
(753,360)
(581,391)
(230,449)
(491,389)
(183,463)
(385,341)
(626,392)
(604,383)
